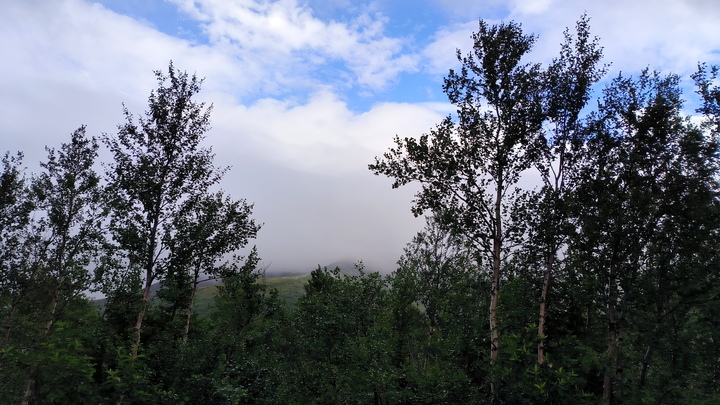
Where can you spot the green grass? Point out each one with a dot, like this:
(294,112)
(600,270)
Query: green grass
(290,289)
(205,299)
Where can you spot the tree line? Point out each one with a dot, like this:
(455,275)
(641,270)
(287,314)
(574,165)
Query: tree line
(597,285)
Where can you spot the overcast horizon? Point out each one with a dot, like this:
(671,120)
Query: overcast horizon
(305,93)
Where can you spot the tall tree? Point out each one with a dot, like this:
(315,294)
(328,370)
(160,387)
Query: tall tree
(568,83)
(340,353)
(644,166)
(68,193)
(469,167)
(437,317)
(56,246)
(436,261)
(159,164)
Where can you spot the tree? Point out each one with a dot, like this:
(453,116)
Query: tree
(339,351)
(159,164)
(68,193)
(643,168)
(437,320)
(568,82)
(436,261)
(469,168)
(209,226)
(15,208)
(709,91)
(53,250)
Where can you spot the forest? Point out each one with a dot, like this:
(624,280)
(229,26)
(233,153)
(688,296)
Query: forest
(597,284)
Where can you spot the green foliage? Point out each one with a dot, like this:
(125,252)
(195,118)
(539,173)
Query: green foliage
(15,208)
(646,213)
(437,320)
(60,368)
(625,225)
(339,348)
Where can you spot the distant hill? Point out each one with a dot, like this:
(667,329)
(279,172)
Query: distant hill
(347,266)
(290,289)
(290,286)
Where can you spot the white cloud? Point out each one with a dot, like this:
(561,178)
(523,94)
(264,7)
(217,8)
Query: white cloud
(288,38)
(322,135)
(667,35)
(531,6)
(72,41)
(440,53)
(269,48)
(304,164)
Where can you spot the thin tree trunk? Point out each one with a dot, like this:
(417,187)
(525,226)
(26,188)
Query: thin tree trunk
(648,354)
(619,358)
(543,308)
(29,387)
(53,309)
(59,261)
(149,277)
(494,302)
(188,313)
(495,292)
(141,316)
(613,333)
(30,382)
(136,329)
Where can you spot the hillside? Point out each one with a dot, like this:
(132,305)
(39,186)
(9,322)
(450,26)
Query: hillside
(290,288)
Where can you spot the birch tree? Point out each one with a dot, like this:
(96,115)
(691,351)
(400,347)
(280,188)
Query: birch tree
(469,166)
(159,164)
(568,84)
(209,227)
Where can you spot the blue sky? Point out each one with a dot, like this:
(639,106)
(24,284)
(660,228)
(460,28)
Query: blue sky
(305,93)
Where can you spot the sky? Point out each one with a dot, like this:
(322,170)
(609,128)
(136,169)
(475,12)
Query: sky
(305,93)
